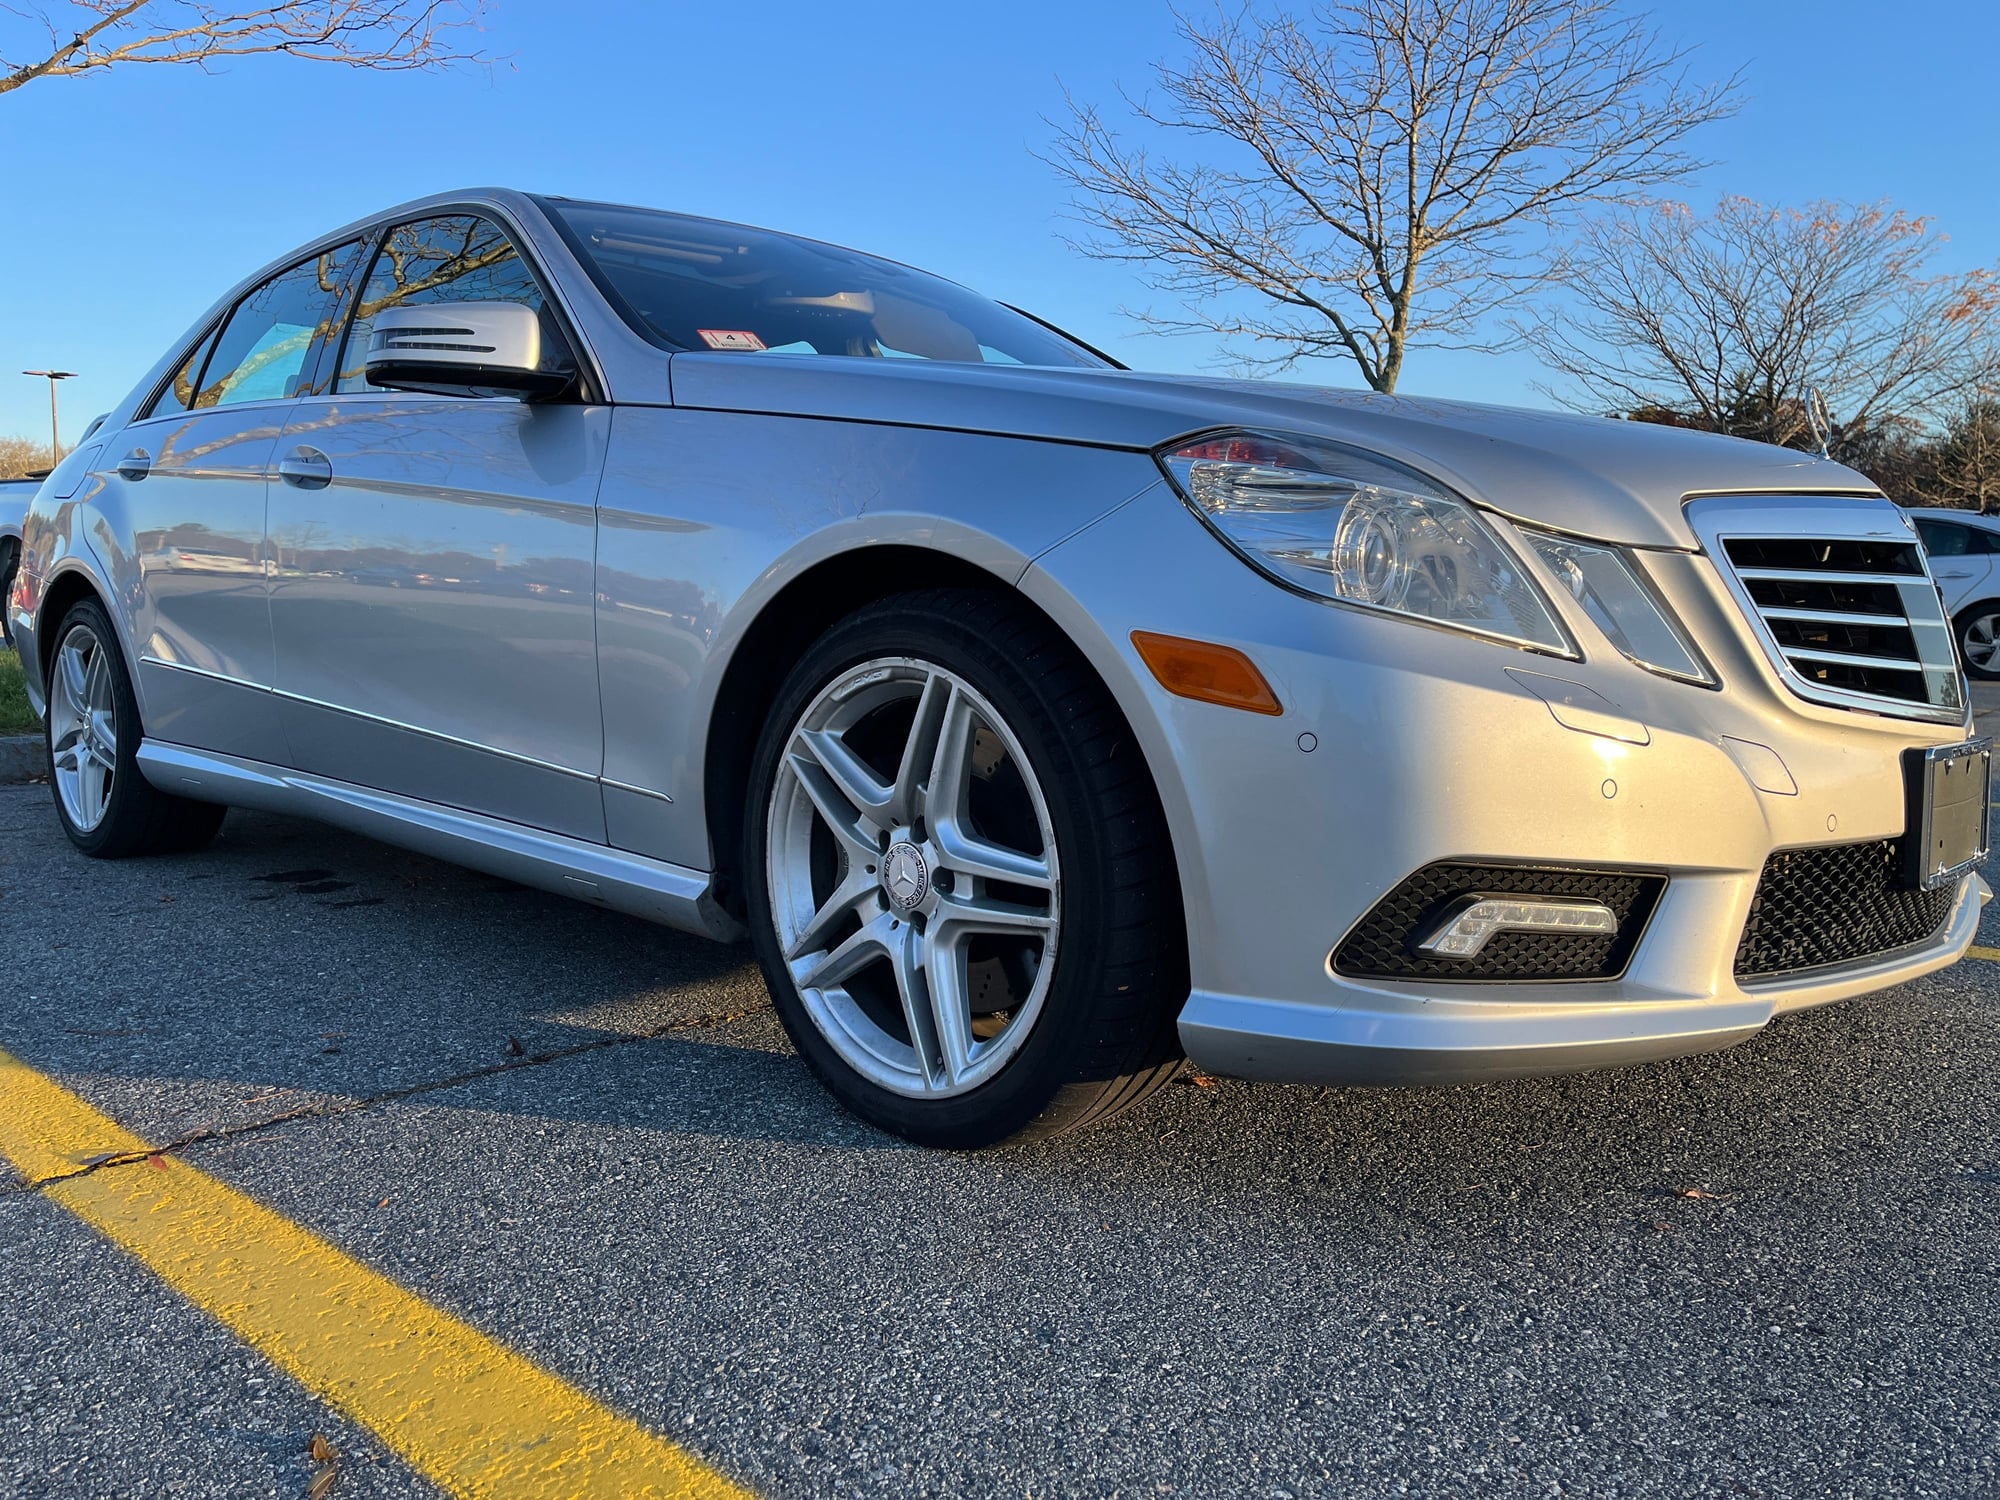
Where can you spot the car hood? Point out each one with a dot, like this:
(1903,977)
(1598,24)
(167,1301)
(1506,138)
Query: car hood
(1617,481)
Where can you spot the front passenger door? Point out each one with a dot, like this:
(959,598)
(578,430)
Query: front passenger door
(432,605)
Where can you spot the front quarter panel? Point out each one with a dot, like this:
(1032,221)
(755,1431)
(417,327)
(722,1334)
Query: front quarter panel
(705,517)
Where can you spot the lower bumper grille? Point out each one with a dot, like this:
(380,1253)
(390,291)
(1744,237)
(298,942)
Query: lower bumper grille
(1834,904)
(1383,944)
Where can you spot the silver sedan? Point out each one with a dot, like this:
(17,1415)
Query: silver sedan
(1037,720)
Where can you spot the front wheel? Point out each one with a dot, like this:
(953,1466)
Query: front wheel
(1979,641)
(959,880)
(108,809)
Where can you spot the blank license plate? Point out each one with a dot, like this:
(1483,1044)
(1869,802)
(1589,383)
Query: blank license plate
(1949,816)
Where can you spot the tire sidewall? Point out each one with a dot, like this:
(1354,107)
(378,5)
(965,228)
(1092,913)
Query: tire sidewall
(124,820)
(1044,1064)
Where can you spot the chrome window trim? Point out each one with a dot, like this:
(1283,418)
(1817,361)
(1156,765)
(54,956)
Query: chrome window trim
(1718,519)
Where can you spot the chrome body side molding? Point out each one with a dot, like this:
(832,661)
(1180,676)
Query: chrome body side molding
(631,883)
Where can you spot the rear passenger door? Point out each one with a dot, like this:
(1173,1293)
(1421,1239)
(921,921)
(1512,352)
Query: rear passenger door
(1962,560)
(432,604)
(190,478)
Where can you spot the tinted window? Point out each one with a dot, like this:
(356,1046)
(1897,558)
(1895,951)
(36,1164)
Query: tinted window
(1942,539)
(261,354)
(452,258)
(178,394)
(701,284)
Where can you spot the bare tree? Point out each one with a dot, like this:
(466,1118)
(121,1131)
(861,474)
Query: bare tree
(1725,320)
(87,36)
(21,456)
(1965,461)
(1381,171)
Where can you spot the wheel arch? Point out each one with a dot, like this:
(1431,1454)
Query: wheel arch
(784,628)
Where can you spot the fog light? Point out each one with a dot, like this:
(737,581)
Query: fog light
(1468,927)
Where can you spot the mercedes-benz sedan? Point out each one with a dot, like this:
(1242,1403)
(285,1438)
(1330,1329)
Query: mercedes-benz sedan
(1036,719)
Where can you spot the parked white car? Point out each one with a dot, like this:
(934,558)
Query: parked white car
(1964,548)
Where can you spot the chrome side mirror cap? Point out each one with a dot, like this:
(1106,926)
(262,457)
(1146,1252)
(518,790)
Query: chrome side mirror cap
(462,349)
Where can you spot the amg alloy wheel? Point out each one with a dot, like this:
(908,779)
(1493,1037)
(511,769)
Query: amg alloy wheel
(962,937)
(106,806)
(83,727)
(921,943)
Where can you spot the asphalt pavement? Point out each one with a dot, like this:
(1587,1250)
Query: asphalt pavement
(1772,1271)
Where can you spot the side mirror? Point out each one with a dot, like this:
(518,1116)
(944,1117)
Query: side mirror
(462,349)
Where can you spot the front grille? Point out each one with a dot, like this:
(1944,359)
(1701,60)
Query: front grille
(1834,904)
(1852,621)
(1383,944)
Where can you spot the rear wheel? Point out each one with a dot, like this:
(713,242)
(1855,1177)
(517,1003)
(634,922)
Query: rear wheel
(959,880)
(107,808)
(10,564)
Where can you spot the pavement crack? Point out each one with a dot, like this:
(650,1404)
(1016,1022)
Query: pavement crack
(334,1108)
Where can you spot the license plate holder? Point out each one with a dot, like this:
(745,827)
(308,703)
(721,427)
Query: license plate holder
(1950,813)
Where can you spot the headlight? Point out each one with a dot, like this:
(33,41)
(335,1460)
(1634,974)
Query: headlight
(1614,593)
(1330,520)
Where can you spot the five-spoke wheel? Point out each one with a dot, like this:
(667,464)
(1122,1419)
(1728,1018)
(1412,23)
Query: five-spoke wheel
(914,877)
(961,938)
(83,727)
(106,805)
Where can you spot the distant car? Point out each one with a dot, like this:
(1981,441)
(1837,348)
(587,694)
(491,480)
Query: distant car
(1964,548)
(1035,717)
(14,497)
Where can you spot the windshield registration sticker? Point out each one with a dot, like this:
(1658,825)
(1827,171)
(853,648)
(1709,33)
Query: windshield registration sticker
(729,338)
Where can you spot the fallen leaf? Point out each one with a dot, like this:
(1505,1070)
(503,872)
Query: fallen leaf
(320,1450)
(1703,1193)
(1203,1080)
(383,1204)
(514,1047)
(322,1482)
(165,899)
(1661,1226)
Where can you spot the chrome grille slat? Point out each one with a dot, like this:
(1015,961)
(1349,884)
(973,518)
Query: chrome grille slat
(1880,663)
(1839,594)
(1827,616)
(1797,575)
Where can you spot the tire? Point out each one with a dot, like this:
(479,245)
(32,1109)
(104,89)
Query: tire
(1978,632)
(10,564)
(1048,837)
(92,731)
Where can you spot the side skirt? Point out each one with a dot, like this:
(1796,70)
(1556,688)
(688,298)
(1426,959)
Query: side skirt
(631,883)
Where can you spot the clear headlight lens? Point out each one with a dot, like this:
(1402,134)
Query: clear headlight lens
(1607,582)
(1333,521)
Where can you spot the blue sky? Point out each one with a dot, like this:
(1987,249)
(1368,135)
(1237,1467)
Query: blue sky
(134,198)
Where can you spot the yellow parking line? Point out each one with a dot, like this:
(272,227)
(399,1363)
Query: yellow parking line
(1978,952)
(469,1413)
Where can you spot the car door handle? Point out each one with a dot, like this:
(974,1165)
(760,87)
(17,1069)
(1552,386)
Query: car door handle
(1953,573)
(135,465)
(308,468)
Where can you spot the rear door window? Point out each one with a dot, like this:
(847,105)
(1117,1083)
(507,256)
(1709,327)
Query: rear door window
(177,395)
(264,349)
(1942,539)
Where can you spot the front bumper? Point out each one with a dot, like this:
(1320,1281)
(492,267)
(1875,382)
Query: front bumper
(1402,745)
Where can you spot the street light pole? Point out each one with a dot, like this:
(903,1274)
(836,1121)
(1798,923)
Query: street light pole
(55,431)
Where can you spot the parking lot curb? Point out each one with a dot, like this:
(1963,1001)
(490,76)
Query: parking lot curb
(21,758)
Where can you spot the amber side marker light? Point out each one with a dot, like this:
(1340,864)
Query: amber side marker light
(1206,672)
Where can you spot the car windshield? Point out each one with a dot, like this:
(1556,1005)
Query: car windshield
(688,283)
